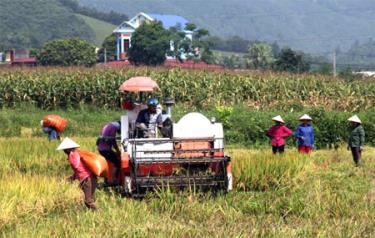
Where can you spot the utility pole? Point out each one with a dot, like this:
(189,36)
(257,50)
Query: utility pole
(105,55)
(334,64)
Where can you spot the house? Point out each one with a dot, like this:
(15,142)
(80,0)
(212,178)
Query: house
(20,57)
(126,29)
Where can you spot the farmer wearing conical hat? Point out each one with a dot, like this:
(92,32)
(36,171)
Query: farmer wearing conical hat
(356,139)
(305,135)
(87,179)
(277,133)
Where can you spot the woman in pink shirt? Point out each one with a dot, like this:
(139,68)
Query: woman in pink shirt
(88,181)
(277,133)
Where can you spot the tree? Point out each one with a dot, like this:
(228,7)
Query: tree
(197,49)
(232,44)
(359,55)
(190,27)
(67,52)
(180,44)
(201,46)
(109,45)
(150,43)
(259,56)
(275,49)
(231,61)
(324,69)
(348,75)
(291,61)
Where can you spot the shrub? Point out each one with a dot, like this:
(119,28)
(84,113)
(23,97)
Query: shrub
(67,52)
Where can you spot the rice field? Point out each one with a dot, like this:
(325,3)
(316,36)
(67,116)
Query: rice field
(322,195)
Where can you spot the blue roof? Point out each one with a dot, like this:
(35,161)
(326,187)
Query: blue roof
(170,20)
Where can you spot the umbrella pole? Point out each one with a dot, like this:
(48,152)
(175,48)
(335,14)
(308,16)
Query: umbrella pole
(141,96)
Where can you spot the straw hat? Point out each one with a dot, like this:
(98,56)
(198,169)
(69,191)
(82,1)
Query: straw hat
(278,119)
(355,118)
(67,143)
(305,118)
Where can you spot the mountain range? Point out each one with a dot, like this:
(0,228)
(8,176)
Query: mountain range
(30,23)
(315,26)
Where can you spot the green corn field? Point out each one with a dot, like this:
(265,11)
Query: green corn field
(50,88)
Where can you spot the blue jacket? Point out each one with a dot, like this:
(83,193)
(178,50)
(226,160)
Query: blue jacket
(146,117)
(305,135)
(52,133)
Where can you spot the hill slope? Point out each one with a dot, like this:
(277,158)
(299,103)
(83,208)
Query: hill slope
(310,25)
(101,29)
(29,23)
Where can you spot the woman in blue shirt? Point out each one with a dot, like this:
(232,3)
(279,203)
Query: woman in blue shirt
(305,135)
(52,133)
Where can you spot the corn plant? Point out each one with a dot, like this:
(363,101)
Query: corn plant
(70,87)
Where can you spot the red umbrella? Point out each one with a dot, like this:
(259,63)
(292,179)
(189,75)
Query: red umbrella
(138,84)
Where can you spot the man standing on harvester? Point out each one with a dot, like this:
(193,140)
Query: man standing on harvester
(149,120)
(106,143)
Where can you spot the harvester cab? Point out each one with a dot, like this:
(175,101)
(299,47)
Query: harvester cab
(190,154)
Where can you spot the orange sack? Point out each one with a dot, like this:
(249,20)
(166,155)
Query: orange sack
(55,121)
(94,162)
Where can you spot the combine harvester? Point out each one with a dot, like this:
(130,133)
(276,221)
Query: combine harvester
(191,156)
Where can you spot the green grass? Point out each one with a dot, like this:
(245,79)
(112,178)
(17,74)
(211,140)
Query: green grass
(322,195)
(242,126)
(25,121)
(101,29)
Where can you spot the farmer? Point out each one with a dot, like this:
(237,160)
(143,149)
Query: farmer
(52,133)
(86,178)
(107,142)
(356,139)
(277,133)
(149,119)
(305,135)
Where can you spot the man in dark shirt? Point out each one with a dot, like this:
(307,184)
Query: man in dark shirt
(149,119)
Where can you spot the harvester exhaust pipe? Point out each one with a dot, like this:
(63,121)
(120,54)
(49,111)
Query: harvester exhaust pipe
(169,102)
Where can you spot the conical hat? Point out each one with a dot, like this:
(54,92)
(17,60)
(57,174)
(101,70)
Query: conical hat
(67,143)
(305,118)
(278,118)
(355,118)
